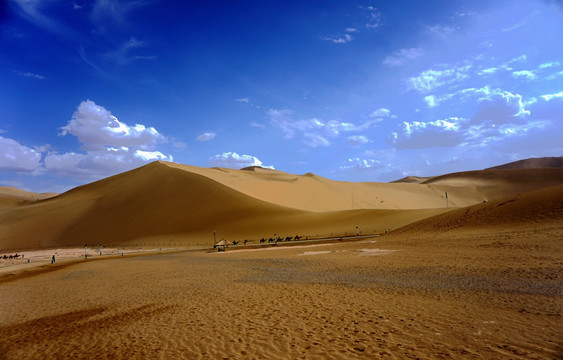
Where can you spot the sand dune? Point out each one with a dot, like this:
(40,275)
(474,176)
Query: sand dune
(544,206)
(171,204)
(480,281)
(533,163)
(483,282)
(160,204)
(314,193)
(12,197)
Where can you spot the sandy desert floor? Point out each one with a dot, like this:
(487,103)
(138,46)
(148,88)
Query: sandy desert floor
(491,294)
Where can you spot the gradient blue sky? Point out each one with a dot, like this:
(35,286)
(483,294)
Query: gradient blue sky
(350,90)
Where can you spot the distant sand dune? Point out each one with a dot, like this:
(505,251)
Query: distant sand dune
(172,204)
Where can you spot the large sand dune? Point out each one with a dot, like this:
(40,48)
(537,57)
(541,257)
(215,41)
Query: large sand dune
(12,197)
(482,281)
(166,203)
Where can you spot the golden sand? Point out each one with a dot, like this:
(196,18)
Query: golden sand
(482,281)
(480,294)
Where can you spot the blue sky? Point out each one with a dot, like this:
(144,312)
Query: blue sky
(350,90)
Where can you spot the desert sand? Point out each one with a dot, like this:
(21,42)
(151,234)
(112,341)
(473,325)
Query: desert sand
(476,281)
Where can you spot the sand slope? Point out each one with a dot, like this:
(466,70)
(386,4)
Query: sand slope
(170,204)
(465,284)
(161,204)
(543,162)
(539,207)
(12,197)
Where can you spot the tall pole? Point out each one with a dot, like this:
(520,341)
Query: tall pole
(214,238)
(447,201)
(357,231)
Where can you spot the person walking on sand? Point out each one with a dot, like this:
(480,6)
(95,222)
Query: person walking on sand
(53,259)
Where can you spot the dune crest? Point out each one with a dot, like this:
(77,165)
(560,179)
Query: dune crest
(168,203)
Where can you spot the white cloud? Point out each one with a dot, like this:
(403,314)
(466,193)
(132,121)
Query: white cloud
(111,146)
(500,107)
(374,18)
(152,155)
(351,30)
(340,39)
(233,160)
(357,164)
(99,164)
(33,10)
(547,107)
(382,113)
(555,75)
(357,140)
(402,56)
(315,132)
(179,144)
(316,140)
(243,100)
(95,127)
(205,137)
(499,117)
(441,30)
(258,125)
(525,74)
(549,64)
(433,78)
(488,71)
(17,157)
(124,54)
(439,133)
(32,75)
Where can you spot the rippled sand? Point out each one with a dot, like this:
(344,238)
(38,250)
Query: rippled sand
(484,294)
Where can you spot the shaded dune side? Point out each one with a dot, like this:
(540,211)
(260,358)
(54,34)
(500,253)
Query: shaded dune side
(152,200)
(12,197)
(539,207)
(159,201)
(496,184)
(543,162)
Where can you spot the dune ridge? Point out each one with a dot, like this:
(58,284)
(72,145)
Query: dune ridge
(168,203)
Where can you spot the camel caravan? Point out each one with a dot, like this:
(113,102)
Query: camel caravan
(16,256)
(223,244)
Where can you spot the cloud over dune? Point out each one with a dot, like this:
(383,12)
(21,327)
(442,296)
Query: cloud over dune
(17,157)
(111,145)
(233,160)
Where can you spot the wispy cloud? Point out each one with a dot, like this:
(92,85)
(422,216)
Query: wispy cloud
(357,140)
(433,78)
(374,18)
(125,53)
(206,137)
(403,56)
(358,164)
(314,132)
(340,39)
(418,135)
(382,113)
(524,74)
(441,30)
(31,75)
(34,11)
(549,64)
